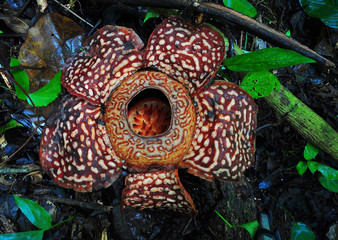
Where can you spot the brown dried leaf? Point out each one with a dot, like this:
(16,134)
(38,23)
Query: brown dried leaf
(48,44)
(17,24)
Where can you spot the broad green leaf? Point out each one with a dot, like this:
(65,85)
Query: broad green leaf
(151,13)
(241,6)
(34,212)
(326,10)
(259,84)
(30,235)
(300,231)
(301,167)
(265,59)
(310,151)
(11,124)
(21,77)
(251,227)
(47,93)
(331,185)
(328,172)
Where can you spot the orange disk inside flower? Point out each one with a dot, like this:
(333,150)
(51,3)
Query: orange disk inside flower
(149,101)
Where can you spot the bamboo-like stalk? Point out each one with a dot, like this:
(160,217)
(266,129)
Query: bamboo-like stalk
(305,121)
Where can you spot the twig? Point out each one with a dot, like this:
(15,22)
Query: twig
(20,169)
(229,15)
(4,73)
(81,204)
(70,11)
(8,35)
(22,67)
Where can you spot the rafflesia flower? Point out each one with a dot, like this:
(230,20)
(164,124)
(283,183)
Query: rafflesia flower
(148,111)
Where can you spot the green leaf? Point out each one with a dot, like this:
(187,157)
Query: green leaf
(288,33)
(251,227)
(326,10)
(328,172)
(310,151)
(156,12)
(331,185)
(259,84)
(300,231)
(11,124)
(151,13)
(241,6)
(301,167)
(265,59)
(47,93)
(313,166)
(30,235)
(21,77)
(34,212)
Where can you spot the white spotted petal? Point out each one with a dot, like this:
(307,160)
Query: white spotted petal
(109,56)
(224,143)
(75,149)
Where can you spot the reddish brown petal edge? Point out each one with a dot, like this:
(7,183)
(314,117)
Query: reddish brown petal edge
(191,54)
(106,58)
(158,189)
(75,150)
(224,142)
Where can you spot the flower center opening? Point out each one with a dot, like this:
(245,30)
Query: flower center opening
(149,113)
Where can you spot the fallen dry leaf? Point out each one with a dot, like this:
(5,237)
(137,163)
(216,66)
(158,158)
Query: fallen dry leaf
(48,44)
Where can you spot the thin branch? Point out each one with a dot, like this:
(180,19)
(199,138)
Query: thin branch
(4,73)
(229,15)
(70,11)
(19,169)
(81,204)
(22,67)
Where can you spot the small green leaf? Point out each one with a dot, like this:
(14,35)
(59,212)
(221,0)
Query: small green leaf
(151,13)
(259,84)
(300,231)
(265,59)
(241,6)
(30,235)
(288,33)
(301,167)
(251,227)
(47,93)
(21,77)
(326,10)
(313,166)
(328,172)
(11,124)
(34,212)
(331,185)
(310,151)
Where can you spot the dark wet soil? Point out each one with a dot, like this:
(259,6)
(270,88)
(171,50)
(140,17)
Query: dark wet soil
(272,186)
